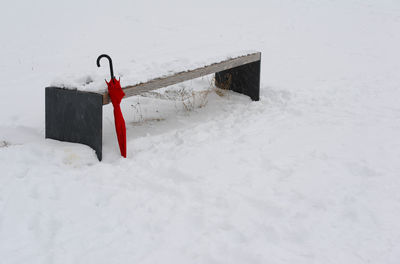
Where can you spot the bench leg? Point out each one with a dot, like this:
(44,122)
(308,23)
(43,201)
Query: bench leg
(75,116)
(244,79)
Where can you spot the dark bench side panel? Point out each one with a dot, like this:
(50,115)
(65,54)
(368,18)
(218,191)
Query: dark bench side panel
(244,79)
(75,116)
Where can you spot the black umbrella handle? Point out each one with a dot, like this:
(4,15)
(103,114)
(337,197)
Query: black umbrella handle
(109,61)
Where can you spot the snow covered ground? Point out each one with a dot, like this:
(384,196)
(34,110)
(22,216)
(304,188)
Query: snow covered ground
(309,174)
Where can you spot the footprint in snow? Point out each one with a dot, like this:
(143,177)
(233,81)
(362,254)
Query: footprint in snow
(4,144)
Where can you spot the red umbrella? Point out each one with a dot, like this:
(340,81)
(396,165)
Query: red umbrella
(116,94)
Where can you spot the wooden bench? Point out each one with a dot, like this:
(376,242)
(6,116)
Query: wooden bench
(77,116)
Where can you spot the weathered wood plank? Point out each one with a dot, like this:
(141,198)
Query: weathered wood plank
(185,76)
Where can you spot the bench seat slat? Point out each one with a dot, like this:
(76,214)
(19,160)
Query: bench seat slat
(185,76)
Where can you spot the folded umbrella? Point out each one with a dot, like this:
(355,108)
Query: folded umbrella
(116,94)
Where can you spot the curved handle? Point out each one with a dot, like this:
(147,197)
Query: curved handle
(109,61)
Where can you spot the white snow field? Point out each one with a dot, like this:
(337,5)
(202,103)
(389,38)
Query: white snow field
(309,174)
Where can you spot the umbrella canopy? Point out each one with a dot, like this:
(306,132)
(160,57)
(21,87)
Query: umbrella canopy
(116,94)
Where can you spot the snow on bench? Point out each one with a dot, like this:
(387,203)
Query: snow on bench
(74,111)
